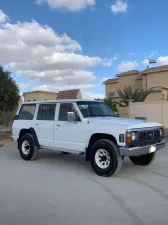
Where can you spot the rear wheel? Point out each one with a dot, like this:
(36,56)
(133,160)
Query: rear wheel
(27,148)
(104,158)
(143,160)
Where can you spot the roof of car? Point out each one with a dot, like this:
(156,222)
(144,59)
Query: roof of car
(61,101)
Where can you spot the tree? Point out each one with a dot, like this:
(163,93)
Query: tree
(111,104)
(127,94)
(9,91)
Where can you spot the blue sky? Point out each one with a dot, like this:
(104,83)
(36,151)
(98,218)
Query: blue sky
(84,42)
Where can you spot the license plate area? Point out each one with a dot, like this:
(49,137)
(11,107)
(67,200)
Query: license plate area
(152,149)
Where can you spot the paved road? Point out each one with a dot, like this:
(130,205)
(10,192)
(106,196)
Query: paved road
(63,190)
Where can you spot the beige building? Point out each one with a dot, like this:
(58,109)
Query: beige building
(44,95)
(70,94)
(39,96)
(155,78)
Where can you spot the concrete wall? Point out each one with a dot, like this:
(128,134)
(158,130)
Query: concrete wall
(154,96)
(153,111)
(123,112)
(39,96)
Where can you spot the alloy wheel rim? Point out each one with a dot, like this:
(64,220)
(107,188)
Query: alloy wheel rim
(25,147)
(102,158)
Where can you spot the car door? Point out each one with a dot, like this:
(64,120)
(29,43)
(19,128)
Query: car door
(25,119)
(68,135)
(44,124)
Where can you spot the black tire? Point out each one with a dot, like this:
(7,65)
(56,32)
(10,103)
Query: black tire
(66,153)
(114,158)
(32,149)
(143,160)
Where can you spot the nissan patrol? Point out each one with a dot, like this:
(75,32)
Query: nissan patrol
(86,127)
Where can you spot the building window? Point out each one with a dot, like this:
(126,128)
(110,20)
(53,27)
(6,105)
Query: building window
(155,89)
(34,99)
(111,94)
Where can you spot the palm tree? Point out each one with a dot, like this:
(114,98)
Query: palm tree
(127,94)
(9,91)
(111,104)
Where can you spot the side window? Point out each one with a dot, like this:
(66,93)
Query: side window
(46,112)
(64,109)
(27,112)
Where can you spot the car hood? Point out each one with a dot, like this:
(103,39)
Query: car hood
(129,123)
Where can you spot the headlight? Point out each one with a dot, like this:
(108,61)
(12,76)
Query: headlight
(131,136)
(161,132)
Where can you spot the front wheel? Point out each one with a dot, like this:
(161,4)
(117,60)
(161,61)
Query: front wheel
(143,160)
(27,148)
(104,158)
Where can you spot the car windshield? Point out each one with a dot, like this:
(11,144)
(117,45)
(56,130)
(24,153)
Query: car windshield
(95,109)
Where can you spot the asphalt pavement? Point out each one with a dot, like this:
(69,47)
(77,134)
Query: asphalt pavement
(59,189)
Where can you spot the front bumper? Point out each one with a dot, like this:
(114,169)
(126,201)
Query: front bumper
(137,151)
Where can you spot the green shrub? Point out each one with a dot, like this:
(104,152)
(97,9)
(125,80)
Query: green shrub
(6,117)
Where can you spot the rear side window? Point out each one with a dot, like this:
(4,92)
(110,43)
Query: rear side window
(27,112)
(46,112)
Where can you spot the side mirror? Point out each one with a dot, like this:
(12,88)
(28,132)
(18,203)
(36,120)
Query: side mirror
(71,116)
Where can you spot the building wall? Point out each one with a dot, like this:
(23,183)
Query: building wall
(138,84)
(111,88)
(157,79)
(144,82)
(153,111)
(39,96)
(127,80)
(154,96)
(79,96)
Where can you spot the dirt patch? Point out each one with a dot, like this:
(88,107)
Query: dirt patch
(5,136)
(7,142)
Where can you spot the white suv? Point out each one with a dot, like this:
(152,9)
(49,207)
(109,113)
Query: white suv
(86,127)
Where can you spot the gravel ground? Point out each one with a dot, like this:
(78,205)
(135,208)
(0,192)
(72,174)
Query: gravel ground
(63,190)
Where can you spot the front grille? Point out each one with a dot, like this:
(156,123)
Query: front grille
(149,137)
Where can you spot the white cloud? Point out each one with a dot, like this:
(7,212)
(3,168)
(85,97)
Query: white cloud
(152,53)
(60,76)
(90,95)
(57,88)
(22,86)
(38,52)
(145,62)
(73,5)
(127,65)
(163,60)
(3,17)
(119,6)
(85,94)
(104,79)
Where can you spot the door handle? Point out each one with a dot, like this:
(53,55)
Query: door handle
(58,125)
(36,124)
